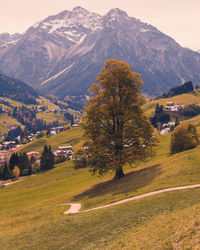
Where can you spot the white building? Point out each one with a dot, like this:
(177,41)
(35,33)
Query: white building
(65,148)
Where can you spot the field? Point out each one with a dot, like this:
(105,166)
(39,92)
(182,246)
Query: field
(45,102)
(41,102)
(6,120)
(68,137)
(50,117)
(186,99)
(12,102)
(31,214)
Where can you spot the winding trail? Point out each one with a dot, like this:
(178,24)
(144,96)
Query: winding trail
(13,182)
(75,207)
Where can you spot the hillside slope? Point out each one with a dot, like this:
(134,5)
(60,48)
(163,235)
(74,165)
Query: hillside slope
(17,90)
(31,209)
(5,122)
(185,99)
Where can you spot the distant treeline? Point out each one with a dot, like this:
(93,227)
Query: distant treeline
(72,102)
(191,111)
(26,166)
(178,90)
(27,117)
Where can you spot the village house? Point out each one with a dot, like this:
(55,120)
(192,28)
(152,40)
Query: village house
(56,130)
(9,144)
(53,132)
(165,131)
(65,148)
(69,152)
(59,152)
(4,157)
(173,108)
(75,125)
(36,155)
(167,128)
(62,152)
(170,104)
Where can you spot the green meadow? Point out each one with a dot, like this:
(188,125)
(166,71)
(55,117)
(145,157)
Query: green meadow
(186,99)
(5,121)
(50,117)
(71,137)
(32,217)
(32,211)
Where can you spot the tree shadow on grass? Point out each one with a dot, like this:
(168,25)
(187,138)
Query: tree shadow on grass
(131,182)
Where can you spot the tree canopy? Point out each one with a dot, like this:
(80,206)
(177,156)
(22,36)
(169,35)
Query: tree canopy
(184,137)
(115,127)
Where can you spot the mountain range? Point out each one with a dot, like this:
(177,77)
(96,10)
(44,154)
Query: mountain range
(64,53)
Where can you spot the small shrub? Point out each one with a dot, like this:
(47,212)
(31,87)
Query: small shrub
(60,158)
(80,159)
(16,172)
(191,110)
(36,167)
(184,137)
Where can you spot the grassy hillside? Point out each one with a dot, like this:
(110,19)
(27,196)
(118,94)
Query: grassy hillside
(41,102)
(186,99)
(6,120)
(31,216)
(45,102)
(13,102)
(50,117)
(68,137)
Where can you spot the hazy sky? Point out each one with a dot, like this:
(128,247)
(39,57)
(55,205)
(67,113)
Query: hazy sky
(179,19)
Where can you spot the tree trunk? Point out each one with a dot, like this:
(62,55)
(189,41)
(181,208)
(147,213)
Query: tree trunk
(118,173)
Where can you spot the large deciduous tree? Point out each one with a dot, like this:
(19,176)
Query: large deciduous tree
(115,127)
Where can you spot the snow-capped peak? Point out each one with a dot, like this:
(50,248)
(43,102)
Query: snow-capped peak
(71,25)
(115,17)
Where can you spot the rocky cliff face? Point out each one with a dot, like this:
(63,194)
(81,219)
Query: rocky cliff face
(64,53)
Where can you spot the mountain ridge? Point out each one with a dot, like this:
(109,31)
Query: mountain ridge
(64,53)
(17,90)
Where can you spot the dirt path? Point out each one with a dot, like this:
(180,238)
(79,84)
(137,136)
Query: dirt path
(20,179)
(75,207)
(12,182)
